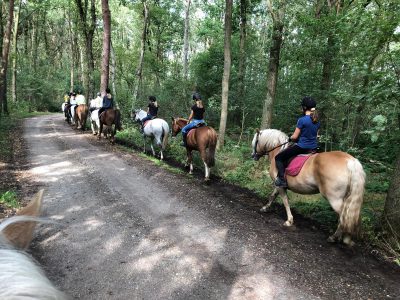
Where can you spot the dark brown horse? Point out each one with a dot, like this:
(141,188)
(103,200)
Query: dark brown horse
(202,139)
(81,116)
(109,118)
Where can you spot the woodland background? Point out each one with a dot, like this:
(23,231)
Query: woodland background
(251,60)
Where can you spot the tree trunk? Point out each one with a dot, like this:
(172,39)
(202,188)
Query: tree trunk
(141,59)
(186,40)
(106,45)
(112,74)
(391,213)
(4,59)
(14,56)
(88,30)
(226,75)
(273,65)
(242,53)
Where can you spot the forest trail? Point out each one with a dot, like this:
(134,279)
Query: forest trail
(128,229)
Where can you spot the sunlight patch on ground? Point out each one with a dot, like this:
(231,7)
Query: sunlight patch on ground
(113,244)
(256,286)
(54,172)
(92,224)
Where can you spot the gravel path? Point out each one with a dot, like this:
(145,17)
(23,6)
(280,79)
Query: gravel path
(129,229)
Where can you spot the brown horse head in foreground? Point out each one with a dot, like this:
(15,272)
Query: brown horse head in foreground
(202,139)
(109,118)
(81,116)
(338,176)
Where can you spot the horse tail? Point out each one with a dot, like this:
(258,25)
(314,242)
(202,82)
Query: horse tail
(212,145)
(350,216)
(165,136)
(117,120)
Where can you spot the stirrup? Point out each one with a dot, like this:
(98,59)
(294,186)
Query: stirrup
(279,182)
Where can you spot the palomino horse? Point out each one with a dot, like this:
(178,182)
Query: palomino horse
(20,276)
(110,117)
(81,116)
(338,176)
(157,130)
(202,139)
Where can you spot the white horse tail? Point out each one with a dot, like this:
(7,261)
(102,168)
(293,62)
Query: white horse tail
(350,216)
(165,129)
(212,144)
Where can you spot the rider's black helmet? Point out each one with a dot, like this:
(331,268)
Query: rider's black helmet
(308,103)
(196,96)
(152,98)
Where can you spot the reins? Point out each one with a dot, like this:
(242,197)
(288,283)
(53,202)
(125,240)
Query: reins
(267,151)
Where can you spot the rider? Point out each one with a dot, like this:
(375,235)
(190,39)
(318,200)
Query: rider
(72,102)
(80,99)
(305,134)
(66,104)
(196,117)
(108,101)
(96,103)
(152,110)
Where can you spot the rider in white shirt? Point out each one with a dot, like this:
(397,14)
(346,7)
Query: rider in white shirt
(80,99)
(96,103)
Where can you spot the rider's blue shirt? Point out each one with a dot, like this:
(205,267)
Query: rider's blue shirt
(308,134)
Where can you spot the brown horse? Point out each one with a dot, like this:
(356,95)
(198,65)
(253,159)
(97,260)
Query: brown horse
(109,118)
(338,176)
(202,139)
(81,116)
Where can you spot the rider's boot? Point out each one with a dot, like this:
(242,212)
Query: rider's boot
(184,142)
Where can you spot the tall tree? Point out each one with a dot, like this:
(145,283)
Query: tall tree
(186,40)
(139,68)
(226,74)
(105,66)
(4,59)
(277,15)
(88,26)
(15,54)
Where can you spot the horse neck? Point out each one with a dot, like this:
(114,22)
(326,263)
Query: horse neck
(182,123)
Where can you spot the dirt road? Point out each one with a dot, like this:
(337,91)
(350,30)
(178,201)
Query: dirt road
(128,229)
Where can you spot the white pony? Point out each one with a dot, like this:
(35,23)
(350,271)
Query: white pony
(20,276)
(156,129)
(95,121)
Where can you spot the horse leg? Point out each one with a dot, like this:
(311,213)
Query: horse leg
(152,147)
(190,161)
(100,131)
(271,199)
(203,155)
(336,201)
(285,200)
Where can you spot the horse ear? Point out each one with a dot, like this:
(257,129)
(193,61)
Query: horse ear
(20,234)
(172,118)
(258,131)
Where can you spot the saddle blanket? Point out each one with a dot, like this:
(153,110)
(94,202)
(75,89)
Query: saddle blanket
(296,164)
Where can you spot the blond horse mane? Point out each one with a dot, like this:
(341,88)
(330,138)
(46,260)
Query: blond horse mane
(270,138)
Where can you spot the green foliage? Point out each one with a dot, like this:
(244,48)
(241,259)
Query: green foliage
(9,199)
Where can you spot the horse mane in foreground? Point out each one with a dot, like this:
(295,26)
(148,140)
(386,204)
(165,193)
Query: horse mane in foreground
(20,276)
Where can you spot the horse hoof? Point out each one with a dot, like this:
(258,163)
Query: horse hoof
(288,224)
(263,209)
(347,241)
(331,239)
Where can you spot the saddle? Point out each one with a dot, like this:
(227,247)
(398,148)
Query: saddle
(297,163)
(191,130)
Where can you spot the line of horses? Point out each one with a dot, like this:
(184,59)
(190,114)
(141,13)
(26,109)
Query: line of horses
(336,175)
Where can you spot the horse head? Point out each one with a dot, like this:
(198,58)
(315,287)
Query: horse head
(177,125)
(137,114)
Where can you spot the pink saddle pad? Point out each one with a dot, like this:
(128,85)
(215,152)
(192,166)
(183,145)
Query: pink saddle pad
(146,123)
(296,164)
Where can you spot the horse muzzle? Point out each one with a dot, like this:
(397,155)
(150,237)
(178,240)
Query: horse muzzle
(255,156)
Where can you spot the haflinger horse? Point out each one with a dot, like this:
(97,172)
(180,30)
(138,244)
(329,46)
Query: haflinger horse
(157,130)
(202,139)
(338,176)
(111,118)
(81,116)
(20,276)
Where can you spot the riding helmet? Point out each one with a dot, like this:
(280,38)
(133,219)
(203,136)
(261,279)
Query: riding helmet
(196,96)
(308,102)
(152,98)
